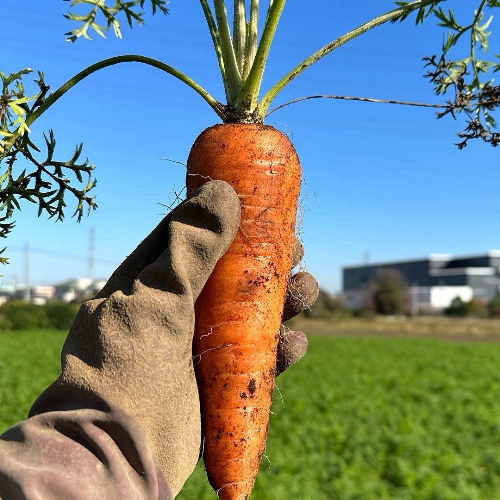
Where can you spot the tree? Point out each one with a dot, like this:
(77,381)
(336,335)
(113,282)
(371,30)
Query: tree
(457,308)
(242,57)
(494,307)
(474,307)
(326,306)
(389,292)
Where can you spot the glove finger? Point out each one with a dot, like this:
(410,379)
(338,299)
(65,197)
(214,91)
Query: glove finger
(200,230)
(301,294)
(146,253)
(292,347)
(298,252)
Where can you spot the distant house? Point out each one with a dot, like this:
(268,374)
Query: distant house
(433,281)
(12,291)
(41,294)
(78,289)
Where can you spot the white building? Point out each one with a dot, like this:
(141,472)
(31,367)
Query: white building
(433,281)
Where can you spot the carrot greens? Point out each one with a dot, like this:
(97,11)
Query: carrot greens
(242,52)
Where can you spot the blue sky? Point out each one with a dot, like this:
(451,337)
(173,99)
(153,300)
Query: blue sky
(382,179)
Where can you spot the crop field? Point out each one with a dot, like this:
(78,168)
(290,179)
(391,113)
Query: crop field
(359,418)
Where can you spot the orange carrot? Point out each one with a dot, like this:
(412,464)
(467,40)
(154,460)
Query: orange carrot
(238,313)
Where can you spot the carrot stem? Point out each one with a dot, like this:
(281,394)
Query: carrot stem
(252,36)
(239,32)
(214,33)
(249,95)
(214,104)
(233,77)
(330,47)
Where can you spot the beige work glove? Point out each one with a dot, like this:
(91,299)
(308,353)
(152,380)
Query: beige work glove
(131,346)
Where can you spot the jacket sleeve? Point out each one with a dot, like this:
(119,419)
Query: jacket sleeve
(79,454)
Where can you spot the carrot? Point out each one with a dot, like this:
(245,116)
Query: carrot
(238,313)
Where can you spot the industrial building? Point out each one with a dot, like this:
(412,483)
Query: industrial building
(433,281)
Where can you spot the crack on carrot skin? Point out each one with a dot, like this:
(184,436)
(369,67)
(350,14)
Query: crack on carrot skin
(272,173)
(247,240)
(263,212)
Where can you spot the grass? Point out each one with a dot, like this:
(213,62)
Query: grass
(29,362)
(359,418)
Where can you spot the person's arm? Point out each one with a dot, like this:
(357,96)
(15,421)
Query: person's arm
(122,421)
(79,454)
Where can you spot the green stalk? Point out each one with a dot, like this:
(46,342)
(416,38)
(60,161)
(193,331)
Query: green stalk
(233,77)
(250,92)
(335,44)
(473,40)
(252,34)
(215,105)
(214,33)
(239,32)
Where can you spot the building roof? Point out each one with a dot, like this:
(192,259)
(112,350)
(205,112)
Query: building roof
(431,257)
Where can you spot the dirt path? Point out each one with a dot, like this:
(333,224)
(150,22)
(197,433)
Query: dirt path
(454,337)
(455,330)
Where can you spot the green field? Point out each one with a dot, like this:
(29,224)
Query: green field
(358,418)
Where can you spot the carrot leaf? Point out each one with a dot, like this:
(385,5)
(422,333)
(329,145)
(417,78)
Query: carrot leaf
(132,9)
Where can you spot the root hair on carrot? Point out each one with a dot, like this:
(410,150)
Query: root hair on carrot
(204,177)
(276,387)
(173,161)
(197,358)
(178,199)
(202,450)
(211,331)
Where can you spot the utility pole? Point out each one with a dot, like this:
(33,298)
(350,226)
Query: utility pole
(366,257)
(27,292)
(415,298)
(91,259)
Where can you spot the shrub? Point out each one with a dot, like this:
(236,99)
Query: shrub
(17,315)
(61,315)
(5,323)
(477,308)
(364,313)
(327,306)
(474,307)
(23,316)
(389,292)
(494,307)
(456,308)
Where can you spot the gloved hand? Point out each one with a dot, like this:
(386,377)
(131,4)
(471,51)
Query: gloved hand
(130,347)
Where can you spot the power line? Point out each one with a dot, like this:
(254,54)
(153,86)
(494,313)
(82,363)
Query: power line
(63,255)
